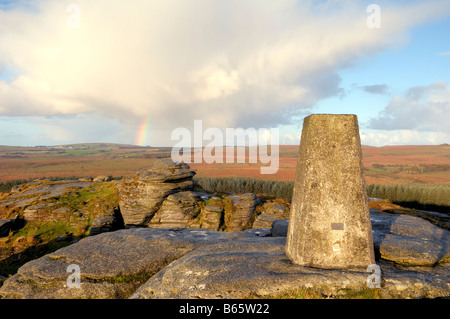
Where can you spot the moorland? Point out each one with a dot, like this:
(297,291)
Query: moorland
(383,165)
(60,213)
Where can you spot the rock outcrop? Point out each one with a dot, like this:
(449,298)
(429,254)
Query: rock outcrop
(271,211)
(413,241)
(177,210)
(141,197)
(258,266)
(51,214)
(279,228)
(241,214)
(101,178)
(110,221)
(200,263)
(162,196)
(192,244)
(37,201)
(212,217)
(441,220)
(112,265)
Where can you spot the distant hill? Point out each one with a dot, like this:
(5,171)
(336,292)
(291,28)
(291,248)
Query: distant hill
(72,146)
(402,164)
(384,165)
(75,160)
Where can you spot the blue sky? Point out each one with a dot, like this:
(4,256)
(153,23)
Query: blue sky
(420,62)
(243,64)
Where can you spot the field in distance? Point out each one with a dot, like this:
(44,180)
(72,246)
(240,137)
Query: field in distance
(76,160)
(383,165)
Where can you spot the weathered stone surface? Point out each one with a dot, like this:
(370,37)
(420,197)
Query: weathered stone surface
(14,204)
(166,171)
(410,226)
(264,220)
(329,222)
(141,196)
(53,189)
(255,265)
(280,228)
(413,241)
(177,210)
(109,222)
(102,178)
(199,263)
(276,208)
(35,199)
(413,254)
(439,219)
(61,211)
(381,225)
(242,214)
(112,264)
(270,212)
(212,217)
(410,251)
(224,270)
(39,212)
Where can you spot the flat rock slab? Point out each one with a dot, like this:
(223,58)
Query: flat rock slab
(112,265)
(25,195)
(242,268)
(237,269)
(56,188)
(200,263)
(412,241)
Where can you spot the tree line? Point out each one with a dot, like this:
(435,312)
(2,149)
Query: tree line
(425,194)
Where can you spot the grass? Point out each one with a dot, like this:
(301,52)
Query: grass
(309,293)
(280,189)
(425,194)
(37,238)
(42,232)
(89,196)
(31,243)
(365,293)
(6,187)
(121,279)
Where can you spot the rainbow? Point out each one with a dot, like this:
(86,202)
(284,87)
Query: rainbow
(141,137)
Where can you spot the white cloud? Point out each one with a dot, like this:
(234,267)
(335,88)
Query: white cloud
(81,127)
(381,89)
(418,116)
(402,137)
(254,63)
(216,80)
(422,108)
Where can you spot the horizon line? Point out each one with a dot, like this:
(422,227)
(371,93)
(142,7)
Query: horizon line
(150,146)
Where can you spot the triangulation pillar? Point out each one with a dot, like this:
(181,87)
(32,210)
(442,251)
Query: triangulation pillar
(329,224)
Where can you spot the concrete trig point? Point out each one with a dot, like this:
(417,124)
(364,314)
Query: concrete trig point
(329,225)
